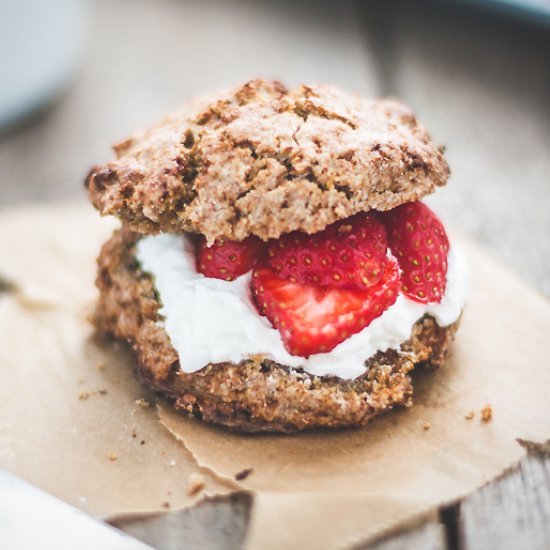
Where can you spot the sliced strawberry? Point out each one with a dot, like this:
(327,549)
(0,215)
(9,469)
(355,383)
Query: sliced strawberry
(350,253)
(314,319)
(227,259)
(418,240)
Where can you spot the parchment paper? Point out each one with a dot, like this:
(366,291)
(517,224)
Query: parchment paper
(317,490)
(329,487)
(69,420)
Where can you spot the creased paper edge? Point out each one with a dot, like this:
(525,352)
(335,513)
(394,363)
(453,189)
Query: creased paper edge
(422,514)
(229,482)
(120,517)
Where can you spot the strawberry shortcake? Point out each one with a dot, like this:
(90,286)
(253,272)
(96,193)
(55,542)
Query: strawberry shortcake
(276,268)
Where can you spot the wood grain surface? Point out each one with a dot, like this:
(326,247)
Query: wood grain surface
(480,83)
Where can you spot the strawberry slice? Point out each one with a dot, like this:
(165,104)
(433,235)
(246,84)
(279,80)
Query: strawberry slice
(418,240)
(227,260)
(314,319)
(350,253)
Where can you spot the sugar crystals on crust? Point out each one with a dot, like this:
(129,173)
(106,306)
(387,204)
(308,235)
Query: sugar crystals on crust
(264,160)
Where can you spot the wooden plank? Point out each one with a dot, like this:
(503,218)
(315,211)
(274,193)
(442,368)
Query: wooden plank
(216,523)
(429,535)
(511,513)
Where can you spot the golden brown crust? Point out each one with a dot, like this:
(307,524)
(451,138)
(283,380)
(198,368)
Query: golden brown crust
(255,395)
(264,160)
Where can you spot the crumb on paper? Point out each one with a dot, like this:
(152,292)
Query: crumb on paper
(243,474)
(142,442)
(166,505)
(83,395)
(427,426)
(172,463)
(112,456)
(195,484)
(487,413)
(134,434)
(469,415)
(142,402)
(100,365)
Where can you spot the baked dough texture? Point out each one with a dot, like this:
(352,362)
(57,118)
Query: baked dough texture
(256,394)
(264,160)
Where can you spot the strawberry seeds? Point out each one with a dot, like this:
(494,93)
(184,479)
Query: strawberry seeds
(317,290)
(350,253)
(418,240)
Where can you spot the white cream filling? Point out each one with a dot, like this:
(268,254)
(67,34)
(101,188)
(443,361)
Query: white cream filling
(213,321)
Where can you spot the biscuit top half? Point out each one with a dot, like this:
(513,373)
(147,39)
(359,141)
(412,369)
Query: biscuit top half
(263,160)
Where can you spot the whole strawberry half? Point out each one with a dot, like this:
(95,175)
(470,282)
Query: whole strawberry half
(350,253)
(418,240)
(227,260)
(313,319)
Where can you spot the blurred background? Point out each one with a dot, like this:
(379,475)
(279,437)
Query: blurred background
(77,76)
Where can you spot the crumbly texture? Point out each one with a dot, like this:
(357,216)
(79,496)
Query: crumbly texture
(487,413)
(256,394)
(263,160)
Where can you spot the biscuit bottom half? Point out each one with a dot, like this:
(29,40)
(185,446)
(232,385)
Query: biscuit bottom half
(257,394)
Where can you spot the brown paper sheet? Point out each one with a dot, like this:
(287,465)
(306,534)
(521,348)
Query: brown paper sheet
(68,400)
(324,488)
(357,482)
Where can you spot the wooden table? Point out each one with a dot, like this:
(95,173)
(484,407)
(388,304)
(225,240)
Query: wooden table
(479,82)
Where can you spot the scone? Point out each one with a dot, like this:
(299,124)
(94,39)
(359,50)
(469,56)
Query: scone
(276,270)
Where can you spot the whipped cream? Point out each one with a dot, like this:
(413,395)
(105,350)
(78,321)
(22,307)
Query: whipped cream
(212,321)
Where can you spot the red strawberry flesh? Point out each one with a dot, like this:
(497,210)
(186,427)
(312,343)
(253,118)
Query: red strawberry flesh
(350,253)
(227,260)
(313,319)
(418,240)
